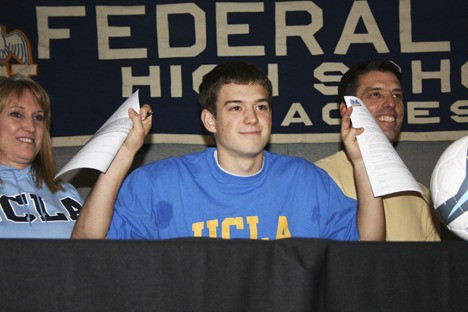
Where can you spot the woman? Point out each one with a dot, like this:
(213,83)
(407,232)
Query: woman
(32,203)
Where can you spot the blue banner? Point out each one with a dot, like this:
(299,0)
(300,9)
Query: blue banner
(91,55)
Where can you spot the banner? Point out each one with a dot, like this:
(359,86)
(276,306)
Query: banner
(91,55)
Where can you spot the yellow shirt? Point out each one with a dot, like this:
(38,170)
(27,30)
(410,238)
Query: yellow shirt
(409,215)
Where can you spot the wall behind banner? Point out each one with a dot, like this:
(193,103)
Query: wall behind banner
(92,55)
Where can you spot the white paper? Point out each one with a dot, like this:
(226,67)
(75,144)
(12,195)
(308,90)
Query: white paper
(387,172)
(99,152)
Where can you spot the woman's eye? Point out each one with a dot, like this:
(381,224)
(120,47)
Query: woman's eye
(39,118)
(16,114)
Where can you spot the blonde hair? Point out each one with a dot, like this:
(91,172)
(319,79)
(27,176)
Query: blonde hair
(43,168)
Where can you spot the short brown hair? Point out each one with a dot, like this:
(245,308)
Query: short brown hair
(238,72)
(349,82)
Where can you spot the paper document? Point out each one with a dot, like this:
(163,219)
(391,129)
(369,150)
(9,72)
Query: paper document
(99,152)
(387,172)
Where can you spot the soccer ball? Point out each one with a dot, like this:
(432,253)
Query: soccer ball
(449,187)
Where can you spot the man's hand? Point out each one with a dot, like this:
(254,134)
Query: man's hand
(348,135)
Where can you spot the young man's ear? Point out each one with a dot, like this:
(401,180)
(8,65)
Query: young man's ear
(208,121)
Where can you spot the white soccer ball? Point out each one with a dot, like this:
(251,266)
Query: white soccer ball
(449,187)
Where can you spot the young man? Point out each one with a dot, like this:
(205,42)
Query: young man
(239,190)
(409,216)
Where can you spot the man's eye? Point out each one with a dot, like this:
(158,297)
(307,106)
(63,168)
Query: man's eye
(398,95)
(235,108)
(262,107)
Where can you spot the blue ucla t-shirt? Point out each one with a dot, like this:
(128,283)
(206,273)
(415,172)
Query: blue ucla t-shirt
(191,196)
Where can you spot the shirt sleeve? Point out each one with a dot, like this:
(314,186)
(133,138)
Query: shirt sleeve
(133,216)
(340,212)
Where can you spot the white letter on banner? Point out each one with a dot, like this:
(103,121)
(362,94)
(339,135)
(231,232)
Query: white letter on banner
(274,78)
(326,114)
(176,81)
(153,80)
(419,75)
(302,118)
(360,9)
(45,34)
(197,75)
(460,108)
(464,75)
(406,37)
(306,32)
(223,29)
(320,74)
(104,32)
(162,26)
(416,113)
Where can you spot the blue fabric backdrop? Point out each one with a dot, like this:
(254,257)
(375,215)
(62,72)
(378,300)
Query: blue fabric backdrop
(91,55)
